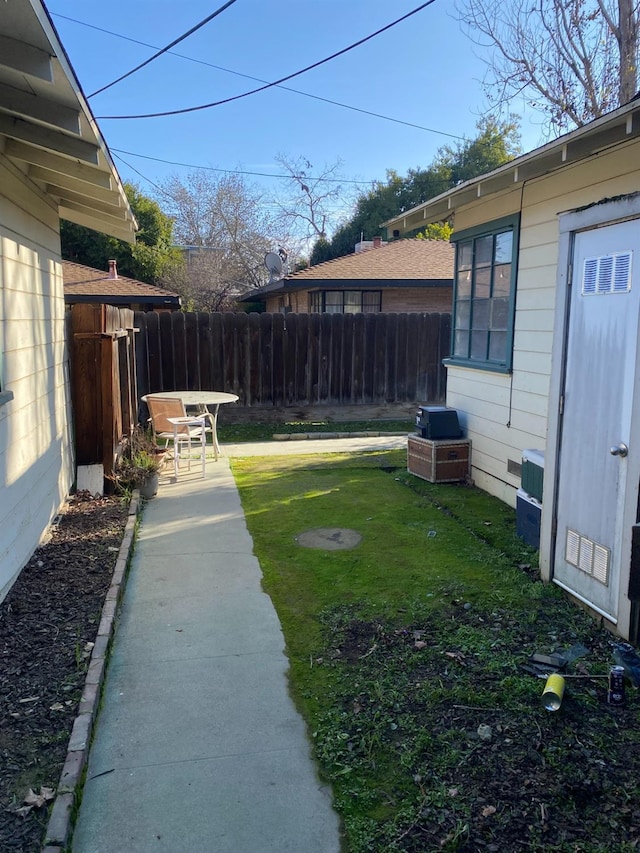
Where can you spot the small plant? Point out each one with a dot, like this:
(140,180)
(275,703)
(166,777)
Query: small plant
(139,461)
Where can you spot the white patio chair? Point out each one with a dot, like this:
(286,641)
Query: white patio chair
(187,433)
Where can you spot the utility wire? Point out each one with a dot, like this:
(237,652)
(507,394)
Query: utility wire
(235,171)
(166,49)
(260,80)
(118,151)
(133,169)
(276,82)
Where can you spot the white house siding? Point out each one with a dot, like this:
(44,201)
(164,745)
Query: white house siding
(36,464)
(505,414)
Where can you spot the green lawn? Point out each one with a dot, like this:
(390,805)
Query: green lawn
(404,647)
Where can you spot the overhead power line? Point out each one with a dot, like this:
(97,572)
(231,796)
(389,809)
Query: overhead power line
(260,80)
(133,169)
(165,49)
(275,82)
(235,171)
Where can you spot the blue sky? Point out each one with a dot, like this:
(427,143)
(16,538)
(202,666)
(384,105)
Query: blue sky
(424,71)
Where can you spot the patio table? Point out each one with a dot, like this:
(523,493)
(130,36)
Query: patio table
(206,402)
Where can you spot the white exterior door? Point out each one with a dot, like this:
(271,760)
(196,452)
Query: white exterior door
(599,452)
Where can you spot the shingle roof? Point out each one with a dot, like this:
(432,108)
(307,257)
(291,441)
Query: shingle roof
(86,281)
(409,259)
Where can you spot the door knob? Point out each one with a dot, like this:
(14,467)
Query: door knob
(619,450)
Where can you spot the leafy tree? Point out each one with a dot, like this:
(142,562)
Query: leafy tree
(149,259)
(573,60)
(497,143)
(436,231)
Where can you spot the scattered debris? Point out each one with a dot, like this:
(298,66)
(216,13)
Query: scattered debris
(626,656)
(35,801)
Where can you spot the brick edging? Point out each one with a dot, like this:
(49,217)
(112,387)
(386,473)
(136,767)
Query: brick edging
(305,436)
(58,832)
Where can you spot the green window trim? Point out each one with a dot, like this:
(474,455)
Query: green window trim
(484,295)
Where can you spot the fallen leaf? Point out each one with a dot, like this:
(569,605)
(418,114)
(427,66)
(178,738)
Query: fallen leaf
(57,706)
(38,800)
(420,644)
(487,811)
(23,811)
(453,792)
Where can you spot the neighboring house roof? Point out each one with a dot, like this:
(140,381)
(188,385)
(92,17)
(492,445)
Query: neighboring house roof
(403,263)
(614,128)
(85,284)
(47,128)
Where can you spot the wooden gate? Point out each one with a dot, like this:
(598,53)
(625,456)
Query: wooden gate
(103,381)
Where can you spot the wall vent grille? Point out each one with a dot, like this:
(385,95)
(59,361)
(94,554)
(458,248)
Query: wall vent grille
(588,556)
(607,274)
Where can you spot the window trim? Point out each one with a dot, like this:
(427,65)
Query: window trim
(321,296)
(496,226)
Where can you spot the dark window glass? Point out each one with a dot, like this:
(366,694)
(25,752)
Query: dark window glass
(484,288)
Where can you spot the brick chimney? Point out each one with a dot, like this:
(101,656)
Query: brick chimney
(113,269)
(377,242)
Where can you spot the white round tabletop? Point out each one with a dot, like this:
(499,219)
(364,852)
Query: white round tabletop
(196,398)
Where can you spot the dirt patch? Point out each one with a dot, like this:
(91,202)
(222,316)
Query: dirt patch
(330,538)
(47,623)
(480,765)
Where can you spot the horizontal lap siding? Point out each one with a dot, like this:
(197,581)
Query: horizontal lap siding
(36,466)
(486,401)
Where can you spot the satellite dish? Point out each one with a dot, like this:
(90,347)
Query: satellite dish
(273,262)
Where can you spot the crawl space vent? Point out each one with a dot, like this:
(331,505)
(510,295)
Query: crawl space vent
(607,274)
(588,556)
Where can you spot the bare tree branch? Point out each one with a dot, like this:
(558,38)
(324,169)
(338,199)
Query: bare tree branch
(573,60)
(311,206)
(226,229)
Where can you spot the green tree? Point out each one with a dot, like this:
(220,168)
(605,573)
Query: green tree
(435,231)
(151,257)
(497,142)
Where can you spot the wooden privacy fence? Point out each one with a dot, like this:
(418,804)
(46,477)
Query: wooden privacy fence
(296,360)
(103,381)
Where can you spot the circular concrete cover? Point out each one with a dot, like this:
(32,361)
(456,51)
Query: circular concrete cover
(329,538)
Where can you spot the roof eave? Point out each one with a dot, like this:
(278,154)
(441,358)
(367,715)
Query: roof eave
(164,301)
(47,130)
(616,127)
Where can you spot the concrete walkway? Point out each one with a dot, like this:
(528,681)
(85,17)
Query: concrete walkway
(198,747)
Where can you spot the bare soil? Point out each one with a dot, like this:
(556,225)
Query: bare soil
(48,622)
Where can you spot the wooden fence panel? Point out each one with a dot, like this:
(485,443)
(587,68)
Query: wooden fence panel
(413,339)
(254,359)
(204,332)
(103,381)
(313,349)
(275,361)
(192,351)
(290,359)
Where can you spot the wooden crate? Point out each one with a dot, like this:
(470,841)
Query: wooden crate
(443,460)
